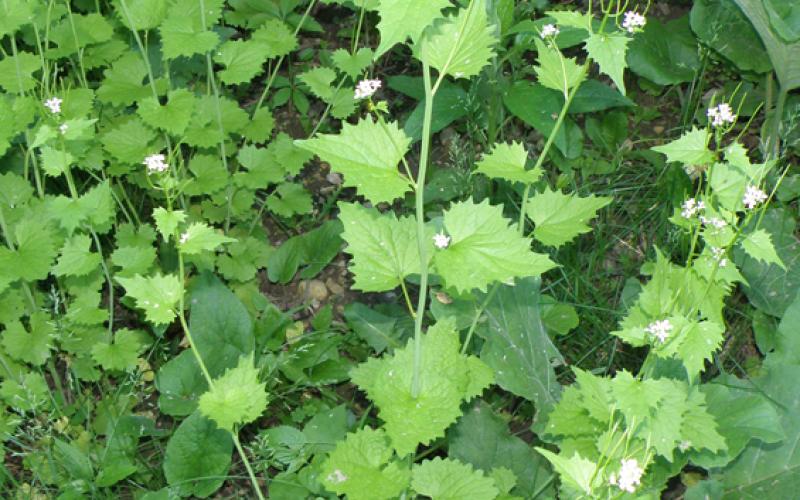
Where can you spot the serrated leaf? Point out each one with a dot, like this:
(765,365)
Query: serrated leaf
(556,71)
(55,161)
(507,161)
(173,116)
(141,14)
(15,14)
(76,258)
(290,199)
(484,248)
(31,347)
(575,471)
(200,237)
(237,397)
(353,65)
(122,354)
(35,250)
(403,19)
(559,217)
(123,82)
(609,50)
(572,19)
(158,295)
(384,248)
(758,245)
(690,149)
(167,221)
(260,127)
(447,378)
(242,59)
(277,37)
(130,142)
(362,467)
(459,45)
(183,33)
(368,155)
(16,72)
(447,479)
(320,81)
(693,345)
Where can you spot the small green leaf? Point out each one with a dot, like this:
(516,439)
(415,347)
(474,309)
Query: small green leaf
(403,19)
(277,38)
(556,71)
(16,72)
(290,199)
(200,237)
(559,217)
(122,354)
(758,245)
(260,127)
(167,222)
(447,479)
(320,81)
(183,32)
(237,397)
(173,117)
(35,250)
(575,471)
(459,45)
(33,347)
(124,81)
(484,248)
(130,142)
(368,155)
(242,59)
(690,149)
(76,259)
(362,467)
(158,295)
(353,65)
(507,161)
(55,161)
(609,52)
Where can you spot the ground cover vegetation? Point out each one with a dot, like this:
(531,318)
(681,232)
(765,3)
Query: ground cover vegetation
(376,249)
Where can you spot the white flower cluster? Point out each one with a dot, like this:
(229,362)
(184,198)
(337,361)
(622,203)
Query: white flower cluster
(549,30)
(54,105)
(715,222)
(633,21)
(660,329)
(753,197)
(721,115)
(366,88)
(719,256)
(630,475)
(441,241)
(690,207)
(155,163)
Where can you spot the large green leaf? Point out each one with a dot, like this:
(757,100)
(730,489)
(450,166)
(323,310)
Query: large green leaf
(517,346)
(482,439)
(220,324)
(198,457)
(447,378)
(666,54)
(538,107)
(368,155)
(403,19)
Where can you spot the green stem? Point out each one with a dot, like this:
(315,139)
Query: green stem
(421,240)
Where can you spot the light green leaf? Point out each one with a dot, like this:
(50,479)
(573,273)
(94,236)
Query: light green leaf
(55,161)
(384,248)
(278,39)
(76,259)
(447,479)
(556,71)
(33,347)
(484,248)
(242,59)
(200,237)
(260,127)
(561,217)
(158,295)
(403,19)
(368,155)
(362,467)
(15,14)
(183,33)
(693,344)
(690,149)
(142,14)
(575,472)
(459,45)
(758,245)
(130,142)
(320,81)
(290,199)
(123,82)
(237,397)
(122,354)
(571,18)
(446,379)
(507,161)
(167,222)
(198,457)
(353,65)
(608,50)
(16,72)
(35,250)
(173,117)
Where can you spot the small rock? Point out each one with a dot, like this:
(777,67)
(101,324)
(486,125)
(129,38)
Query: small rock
(314,289)
(658,129)
(334,287)
(334,178)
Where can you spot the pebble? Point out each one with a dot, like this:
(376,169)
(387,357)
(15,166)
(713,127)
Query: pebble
(334,287)
(314,289)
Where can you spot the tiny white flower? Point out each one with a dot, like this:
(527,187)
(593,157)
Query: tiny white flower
(366,88)
(685,445)
(721,115)
(337,477)
(753,197)
(690,207)
(549,30)
(54,104)
(441,241)
(630,475)
(633,21)
(719,256)
(155,163)
(660,329)
(63,128)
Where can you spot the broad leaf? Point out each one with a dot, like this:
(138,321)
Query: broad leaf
(447,479)
(559,217)
(237,397)
(666,54)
